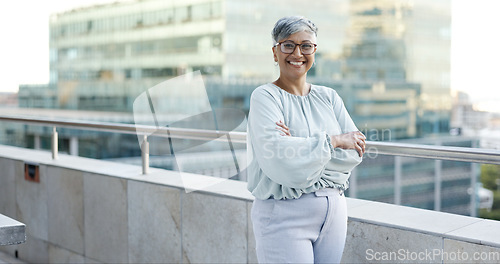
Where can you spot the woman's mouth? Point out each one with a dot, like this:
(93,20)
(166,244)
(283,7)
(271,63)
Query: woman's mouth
(296,63)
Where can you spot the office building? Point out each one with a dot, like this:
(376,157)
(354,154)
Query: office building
(388,59)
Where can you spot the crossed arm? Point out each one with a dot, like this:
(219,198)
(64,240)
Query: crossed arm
(351,140)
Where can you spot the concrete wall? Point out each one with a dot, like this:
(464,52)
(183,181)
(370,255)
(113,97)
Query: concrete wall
(86,210)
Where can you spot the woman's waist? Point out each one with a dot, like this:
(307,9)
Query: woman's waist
(329,191)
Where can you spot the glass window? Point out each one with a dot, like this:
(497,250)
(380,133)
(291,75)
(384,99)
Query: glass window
(52,55)
(217,9)
(149,19)
(202,11)
(182,14)
(166,16)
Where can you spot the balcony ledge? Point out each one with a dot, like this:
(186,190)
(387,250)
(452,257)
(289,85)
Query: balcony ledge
(12,232)
(371,224)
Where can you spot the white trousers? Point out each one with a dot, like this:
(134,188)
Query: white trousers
(311,229)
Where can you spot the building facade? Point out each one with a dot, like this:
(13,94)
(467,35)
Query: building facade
(388,59)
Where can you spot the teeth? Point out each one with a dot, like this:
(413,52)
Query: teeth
(296,63)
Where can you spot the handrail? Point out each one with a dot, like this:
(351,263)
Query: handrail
(464,154)
(477,155)
(183,133)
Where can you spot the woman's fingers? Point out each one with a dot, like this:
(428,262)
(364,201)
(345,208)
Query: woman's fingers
(352,140)
(360,147)
(285,132)
(360,142)
(281,124)
(359,150)
(283,128)
(360,135)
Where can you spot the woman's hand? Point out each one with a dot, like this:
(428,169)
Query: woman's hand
(352,140)
(283,128)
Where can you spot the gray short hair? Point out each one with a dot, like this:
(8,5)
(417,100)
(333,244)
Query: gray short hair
(287,26)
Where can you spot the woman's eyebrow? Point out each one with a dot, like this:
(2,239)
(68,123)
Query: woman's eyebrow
(300,42)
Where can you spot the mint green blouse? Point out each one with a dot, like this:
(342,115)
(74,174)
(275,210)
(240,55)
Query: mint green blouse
(285,167)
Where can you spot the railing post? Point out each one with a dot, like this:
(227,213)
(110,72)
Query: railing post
(473,187)
(54,143)
(37,144)
(438,164)
(473,184)
(145,155)
(73,146)
(397,180)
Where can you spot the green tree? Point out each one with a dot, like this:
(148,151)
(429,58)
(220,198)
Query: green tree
(489,175)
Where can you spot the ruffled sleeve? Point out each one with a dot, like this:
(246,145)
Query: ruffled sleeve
(343,160)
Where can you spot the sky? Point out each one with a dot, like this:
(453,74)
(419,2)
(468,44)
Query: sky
(24,45)
(17,38)
(475,52)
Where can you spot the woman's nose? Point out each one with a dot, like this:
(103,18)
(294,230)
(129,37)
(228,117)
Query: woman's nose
(297,52)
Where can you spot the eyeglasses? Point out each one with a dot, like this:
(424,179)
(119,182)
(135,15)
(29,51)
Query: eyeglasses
(288,47)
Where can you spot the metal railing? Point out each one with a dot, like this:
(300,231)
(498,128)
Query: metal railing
(439,153)
(140,130)
(464,154)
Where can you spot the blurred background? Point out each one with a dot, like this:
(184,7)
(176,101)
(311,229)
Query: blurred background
(411,71)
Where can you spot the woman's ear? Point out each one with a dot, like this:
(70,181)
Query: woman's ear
(274,54)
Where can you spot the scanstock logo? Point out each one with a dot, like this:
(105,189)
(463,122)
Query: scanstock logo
(182,102)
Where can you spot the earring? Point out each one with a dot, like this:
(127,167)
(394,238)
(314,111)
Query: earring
(275,63)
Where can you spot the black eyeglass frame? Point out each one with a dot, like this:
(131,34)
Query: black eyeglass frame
(300,47)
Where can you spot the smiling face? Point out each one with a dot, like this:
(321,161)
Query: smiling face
(296,64)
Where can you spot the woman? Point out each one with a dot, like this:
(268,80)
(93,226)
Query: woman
(302,146)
